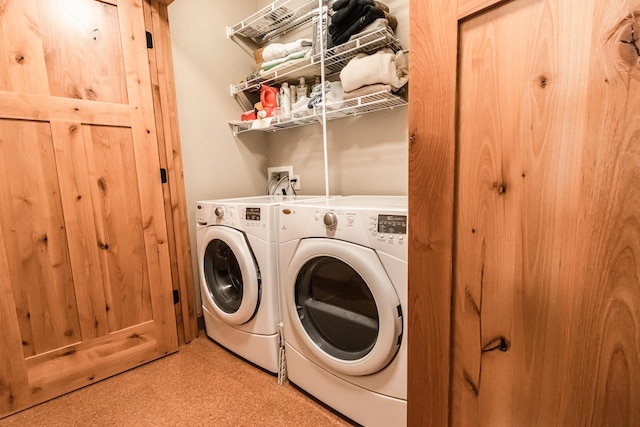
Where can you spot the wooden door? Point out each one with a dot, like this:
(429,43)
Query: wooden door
(85,282)
(525,187)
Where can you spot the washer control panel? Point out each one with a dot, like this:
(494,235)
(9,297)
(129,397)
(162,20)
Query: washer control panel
(388,227)
(381,230)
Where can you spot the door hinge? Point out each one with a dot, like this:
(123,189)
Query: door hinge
(163,175)
(176,296)
(149,40)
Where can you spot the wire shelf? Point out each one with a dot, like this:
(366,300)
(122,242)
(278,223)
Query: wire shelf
(335,59)
(353,107)
(276,19)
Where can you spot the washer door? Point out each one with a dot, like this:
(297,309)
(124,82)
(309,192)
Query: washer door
(229,275)
(343,305)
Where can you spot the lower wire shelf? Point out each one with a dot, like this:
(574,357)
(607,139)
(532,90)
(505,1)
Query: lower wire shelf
(347,108)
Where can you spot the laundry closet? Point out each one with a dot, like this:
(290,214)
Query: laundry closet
(517,150)
(367,154)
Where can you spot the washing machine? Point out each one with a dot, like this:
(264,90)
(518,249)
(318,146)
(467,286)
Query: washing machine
(343,289)
(237,262)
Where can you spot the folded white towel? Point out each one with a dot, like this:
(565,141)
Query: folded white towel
(294,55)
(281,50)
(384,67)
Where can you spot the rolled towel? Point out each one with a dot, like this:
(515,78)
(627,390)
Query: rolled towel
(281,50)
(384,67)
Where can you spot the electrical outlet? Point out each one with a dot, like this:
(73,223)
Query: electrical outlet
(295,182)
(278,179)
(279,172)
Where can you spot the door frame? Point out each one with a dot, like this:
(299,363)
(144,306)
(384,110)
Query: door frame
(432,162)
(156,17)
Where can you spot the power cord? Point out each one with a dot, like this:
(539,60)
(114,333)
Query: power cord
(273,190)
(270,189)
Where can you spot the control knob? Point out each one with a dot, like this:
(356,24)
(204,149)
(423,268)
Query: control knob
(219,211)
(330,220)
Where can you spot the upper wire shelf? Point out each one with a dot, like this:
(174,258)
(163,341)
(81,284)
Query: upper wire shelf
(335,59)
(352,107)
(276,19)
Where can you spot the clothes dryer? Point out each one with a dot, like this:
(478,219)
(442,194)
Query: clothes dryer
(343,279)
(237,262)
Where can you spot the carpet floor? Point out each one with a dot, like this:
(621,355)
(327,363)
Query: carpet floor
(201,385)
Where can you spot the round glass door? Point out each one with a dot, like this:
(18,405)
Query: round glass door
(229,275)
(336,308)
(223,276)
(342,306)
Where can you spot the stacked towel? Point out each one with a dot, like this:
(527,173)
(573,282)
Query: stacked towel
(352,16)
(281,50)
(383,67)
(276,54)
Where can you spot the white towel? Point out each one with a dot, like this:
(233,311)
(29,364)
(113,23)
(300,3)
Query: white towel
(281,50)
(384,67)
(295,55)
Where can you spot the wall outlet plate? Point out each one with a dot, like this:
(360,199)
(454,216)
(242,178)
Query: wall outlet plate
(295,182)
(279,172)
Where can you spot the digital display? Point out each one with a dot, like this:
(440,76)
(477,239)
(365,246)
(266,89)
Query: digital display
(253,214)
(392,224)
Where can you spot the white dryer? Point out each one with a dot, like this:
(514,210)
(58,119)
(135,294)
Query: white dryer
(237,262)
(343,279)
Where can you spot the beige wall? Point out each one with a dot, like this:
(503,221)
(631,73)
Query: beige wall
(367,154)
(216,165)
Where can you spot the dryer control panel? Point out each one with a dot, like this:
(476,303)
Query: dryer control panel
(384,230)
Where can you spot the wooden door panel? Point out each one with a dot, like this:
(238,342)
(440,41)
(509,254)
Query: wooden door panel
(69,368)
(116,199)
(83,51)
(21,53)
(33,225)
(87,287)
(529,109)
(546,256)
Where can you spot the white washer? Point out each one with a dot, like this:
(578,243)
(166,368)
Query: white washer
(237,262)
(343,286)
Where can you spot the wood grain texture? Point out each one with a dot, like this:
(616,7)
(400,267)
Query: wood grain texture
(116,202)
(469,7)
(78,206)
(147,167)
(71,367)
(161,64)
(82,227)
(547,295)
(33,226)
(82,49)
(431,172)
(21,51)
(45,108)
(13,378)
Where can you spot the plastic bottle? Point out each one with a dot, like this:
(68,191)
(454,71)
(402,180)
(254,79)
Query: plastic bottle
(302,89)
(285,98)
(269,99)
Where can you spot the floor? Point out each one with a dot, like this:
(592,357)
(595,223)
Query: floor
(201,385)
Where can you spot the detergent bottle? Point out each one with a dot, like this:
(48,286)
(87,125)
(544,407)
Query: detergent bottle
(268,99)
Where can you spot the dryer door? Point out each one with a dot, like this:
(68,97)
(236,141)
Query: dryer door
(228,275)
(343,306)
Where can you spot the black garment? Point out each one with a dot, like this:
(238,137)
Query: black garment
(340,35)
(349,12)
